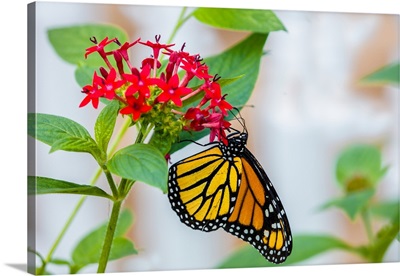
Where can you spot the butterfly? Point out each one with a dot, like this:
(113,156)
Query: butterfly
(224,186)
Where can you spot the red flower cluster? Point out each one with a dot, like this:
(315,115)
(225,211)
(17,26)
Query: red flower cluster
(140,90)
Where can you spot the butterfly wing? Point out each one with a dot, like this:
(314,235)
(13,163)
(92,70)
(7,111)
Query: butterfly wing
(203,188)
(258,216)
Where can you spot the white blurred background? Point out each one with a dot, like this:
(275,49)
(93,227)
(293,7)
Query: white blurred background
(308,107)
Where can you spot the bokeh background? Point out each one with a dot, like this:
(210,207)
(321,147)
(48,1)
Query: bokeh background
(308,106)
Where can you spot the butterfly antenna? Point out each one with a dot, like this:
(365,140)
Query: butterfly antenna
(239,118)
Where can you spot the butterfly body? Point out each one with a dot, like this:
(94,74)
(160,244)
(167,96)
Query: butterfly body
(224,186)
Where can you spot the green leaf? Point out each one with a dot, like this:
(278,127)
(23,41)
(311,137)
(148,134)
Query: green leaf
(352,203)
(388,210)
(389,74)
(70,43)
(88,250)
(42,185)
(257,21)
(122,247)
(359,167)
(243,59)
(84,74)
(105,124)
(307,246)
(141,162)
(61,133)
(304,247)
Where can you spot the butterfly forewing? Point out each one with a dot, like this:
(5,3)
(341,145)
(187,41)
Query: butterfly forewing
(202,188)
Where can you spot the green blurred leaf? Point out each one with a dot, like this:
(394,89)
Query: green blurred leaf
(387,209)
(352,203)
(257,21)
(359,167)
(243,59)
(105,124)
(84,74)
(141,162)
(61,133)
(88,250)
(308,245)
(43,185)
(389,74)
(70,43)
(122,247)
(304,247)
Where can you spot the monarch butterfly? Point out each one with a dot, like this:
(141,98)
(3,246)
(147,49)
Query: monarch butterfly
(224,186)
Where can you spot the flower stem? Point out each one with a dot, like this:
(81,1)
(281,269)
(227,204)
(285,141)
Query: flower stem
(367,224)
(111,182)
(181,20)
(112,224)
(93,181)
(66,226)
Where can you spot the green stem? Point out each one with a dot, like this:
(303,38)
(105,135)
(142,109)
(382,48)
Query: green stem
(112,224)
(61,235)
(125,187)
(367,224)
(181,20)
(146,133)
(139,136)
(93,181)
(111,182)
(120,135)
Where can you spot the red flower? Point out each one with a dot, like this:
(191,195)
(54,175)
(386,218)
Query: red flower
(198,117)
(140,82)
(171,90)
(213,94)
(151,61)
(217,126)
(171,67)
(194,68)
(92,92)
(99,47)
(201,119)
(123,50)
(118,60)
(157,46)
(136,107)
(110,84)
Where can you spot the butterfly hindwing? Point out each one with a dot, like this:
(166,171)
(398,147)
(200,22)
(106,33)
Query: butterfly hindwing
(202,188)
(259,217)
